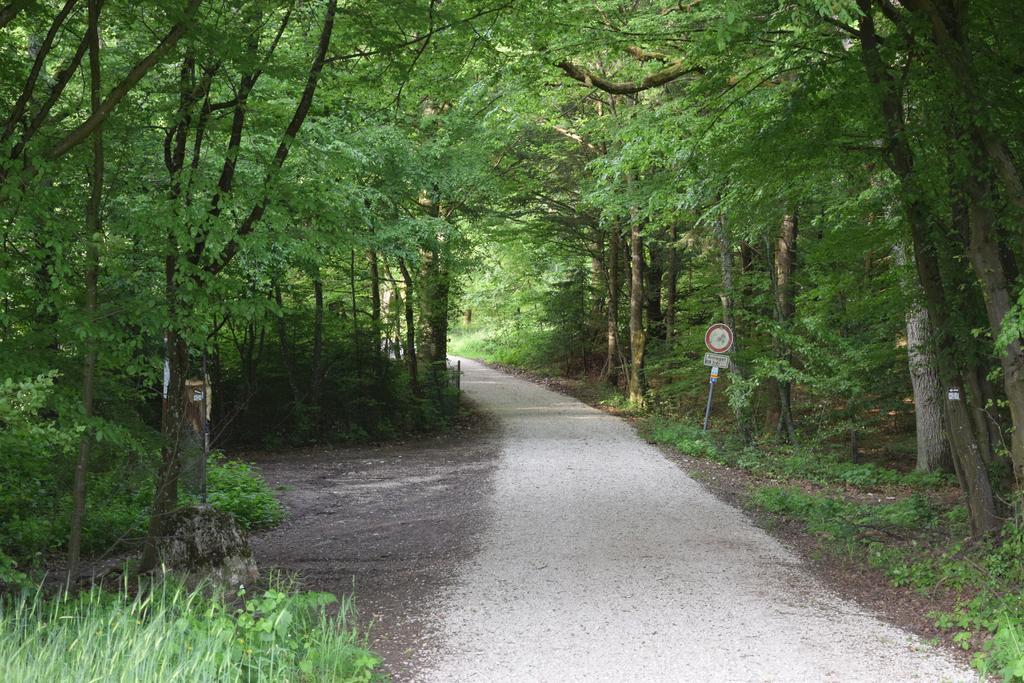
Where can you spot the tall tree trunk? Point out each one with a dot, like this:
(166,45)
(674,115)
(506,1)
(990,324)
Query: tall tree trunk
(285,346)
(967,457)
(979,389)
(434,305)
(654,272)
(410,328)
(434,287)
(612,363)
(988,264)
(394,305)
(316,375)
(672,283)
(93,228)
(375,321)
(173,425)
(932,446)
(785,266)
(637,335)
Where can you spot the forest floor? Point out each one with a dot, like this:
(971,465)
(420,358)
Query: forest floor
(548,541)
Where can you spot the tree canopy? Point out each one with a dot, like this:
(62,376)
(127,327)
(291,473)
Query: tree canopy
(289,201)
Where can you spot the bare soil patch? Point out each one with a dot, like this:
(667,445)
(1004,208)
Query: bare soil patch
(387,523)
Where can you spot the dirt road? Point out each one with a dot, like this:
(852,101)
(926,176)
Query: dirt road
(558,546)
(604,562)
(390,524)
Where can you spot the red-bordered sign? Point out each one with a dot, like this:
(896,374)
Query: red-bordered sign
(718,338)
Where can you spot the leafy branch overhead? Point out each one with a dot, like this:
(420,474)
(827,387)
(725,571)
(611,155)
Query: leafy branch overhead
(673,70)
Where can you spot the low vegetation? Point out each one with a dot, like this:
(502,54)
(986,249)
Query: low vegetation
(165,633)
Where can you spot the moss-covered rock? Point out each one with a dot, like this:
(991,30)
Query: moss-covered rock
(203,543)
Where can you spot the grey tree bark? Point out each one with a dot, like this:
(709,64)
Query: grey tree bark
(933,452)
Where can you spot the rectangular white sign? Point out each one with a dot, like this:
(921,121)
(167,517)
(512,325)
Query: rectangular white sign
(716,360)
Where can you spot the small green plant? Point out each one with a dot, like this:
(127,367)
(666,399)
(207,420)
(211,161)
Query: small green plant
(9,574)
(687,439)
(234,487)
(1004,653)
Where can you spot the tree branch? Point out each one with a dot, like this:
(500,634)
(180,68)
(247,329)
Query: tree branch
(290,133)
(418,39)
(82,132)
(659,78)
(9,11)
(37,66)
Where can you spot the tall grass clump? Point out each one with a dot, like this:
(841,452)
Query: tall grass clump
(168,634)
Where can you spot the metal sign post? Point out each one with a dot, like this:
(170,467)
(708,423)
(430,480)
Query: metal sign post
(719,339)
(711,394)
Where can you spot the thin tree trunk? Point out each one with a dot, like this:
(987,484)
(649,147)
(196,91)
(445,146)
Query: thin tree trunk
(287,357)
(785,266)
(976,381)
(93,228)
(375,322)
(317,362)
(672,284)
(434,305)
(394,304)
(612,363)
(654,272)
(637,334)
(410,329)
(728,298)
(988,264)
(165,498)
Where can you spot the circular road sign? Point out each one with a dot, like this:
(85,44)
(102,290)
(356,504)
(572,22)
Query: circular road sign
(718,338)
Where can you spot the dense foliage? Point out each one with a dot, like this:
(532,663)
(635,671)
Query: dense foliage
(232,191)
(292,199)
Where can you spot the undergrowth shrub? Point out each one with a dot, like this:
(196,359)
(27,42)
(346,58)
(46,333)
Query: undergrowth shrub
(786,462)
(166,634)
(234,487)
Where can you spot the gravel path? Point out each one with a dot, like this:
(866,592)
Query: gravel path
(602,561)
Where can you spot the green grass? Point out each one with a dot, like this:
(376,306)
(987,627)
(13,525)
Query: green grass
(168,635)
(521,348)
(785,463)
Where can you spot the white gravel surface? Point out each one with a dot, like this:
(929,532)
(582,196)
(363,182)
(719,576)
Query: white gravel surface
(602,561)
